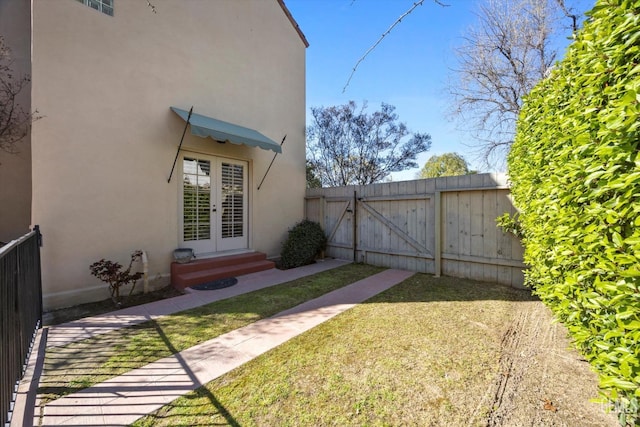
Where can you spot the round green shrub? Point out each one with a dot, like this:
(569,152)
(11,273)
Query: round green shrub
(305,241)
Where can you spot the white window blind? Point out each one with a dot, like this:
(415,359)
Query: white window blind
(104,6)
(232,186)
(196,187)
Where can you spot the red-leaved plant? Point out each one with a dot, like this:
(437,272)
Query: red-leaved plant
(113,274)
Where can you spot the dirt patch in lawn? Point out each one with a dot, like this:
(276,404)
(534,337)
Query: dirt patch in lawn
(542,381)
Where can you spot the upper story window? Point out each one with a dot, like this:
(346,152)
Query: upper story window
(104,6)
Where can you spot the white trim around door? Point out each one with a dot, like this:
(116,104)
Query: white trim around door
(213,204)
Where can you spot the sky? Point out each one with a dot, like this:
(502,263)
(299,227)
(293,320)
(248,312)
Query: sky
(409,69)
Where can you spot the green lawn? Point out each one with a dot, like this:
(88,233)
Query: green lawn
(423,353)
(81,364)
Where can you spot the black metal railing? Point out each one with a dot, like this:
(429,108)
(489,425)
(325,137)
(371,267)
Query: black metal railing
(20,313)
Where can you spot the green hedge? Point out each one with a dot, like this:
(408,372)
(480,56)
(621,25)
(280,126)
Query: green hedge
(575,173)
(305,241)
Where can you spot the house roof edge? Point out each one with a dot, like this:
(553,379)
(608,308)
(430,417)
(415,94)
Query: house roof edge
(293,22)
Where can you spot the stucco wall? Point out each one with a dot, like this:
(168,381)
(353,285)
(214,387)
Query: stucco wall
(15,169)
(102,155)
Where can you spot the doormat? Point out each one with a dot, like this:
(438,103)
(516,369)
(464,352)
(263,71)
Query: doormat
(216,284)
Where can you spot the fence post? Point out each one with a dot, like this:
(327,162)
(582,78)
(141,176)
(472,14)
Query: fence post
(36,228)
(355,227)
(438,234)
(322,209)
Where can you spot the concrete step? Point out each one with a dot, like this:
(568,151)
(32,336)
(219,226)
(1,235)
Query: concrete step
(210,269)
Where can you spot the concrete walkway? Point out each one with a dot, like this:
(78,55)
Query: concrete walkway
(124,399)
(91,326)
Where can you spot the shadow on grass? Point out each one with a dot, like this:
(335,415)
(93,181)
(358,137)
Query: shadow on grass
(202,391)
(63,315)
(171,379)
(362,344)
(78,365)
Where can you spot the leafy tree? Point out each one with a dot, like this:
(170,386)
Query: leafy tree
(14,120)
(312,180)
(499,61)
(346,146)
(448,164)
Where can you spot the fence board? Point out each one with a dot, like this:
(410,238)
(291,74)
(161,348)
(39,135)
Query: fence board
(452,229)
(476,237)
(378,231)
(397,225)
(399,220)
(464,234)
(490,231)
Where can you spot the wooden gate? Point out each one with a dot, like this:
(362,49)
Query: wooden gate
(438,226)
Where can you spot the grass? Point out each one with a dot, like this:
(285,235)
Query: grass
(424,352)
(78,365)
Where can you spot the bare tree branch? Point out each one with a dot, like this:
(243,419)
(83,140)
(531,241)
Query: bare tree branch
(569,14)
(386,33)
(151,6)
(500,60)
(14,120)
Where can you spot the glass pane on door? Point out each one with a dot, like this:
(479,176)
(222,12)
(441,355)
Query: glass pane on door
(196,190)
(232,200)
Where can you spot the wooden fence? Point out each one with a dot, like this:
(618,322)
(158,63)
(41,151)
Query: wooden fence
(443,226)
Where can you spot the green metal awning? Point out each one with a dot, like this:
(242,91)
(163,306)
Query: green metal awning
(218,130)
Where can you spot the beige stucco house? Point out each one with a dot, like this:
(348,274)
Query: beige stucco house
(105,76)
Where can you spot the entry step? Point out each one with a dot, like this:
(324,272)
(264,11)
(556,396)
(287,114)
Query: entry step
(209,269)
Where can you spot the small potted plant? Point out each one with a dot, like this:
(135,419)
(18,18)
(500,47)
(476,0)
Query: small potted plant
(183,255)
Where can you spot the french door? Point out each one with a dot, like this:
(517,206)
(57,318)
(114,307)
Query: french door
(214,204)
